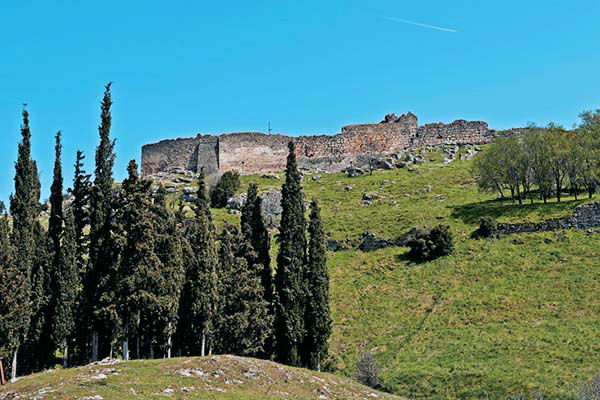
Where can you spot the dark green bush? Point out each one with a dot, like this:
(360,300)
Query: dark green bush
(224,189)
(430,243)
(488,227)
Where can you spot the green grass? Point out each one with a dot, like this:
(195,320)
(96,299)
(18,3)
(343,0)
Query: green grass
(492,320)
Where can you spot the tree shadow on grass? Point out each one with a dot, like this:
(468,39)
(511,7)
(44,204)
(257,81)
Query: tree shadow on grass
(472,212)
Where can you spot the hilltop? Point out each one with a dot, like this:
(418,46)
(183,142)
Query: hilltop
(212,377)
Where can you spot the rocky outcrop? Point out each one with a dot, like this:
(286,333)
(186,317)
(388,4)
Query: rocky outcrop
(356,145)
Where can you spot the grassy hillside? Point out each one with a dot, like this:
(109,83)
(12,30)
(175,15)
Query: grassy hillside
(514,316)
(213,377)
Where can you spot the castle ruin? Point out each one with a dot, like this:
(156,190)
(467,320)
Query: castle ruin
(251,152)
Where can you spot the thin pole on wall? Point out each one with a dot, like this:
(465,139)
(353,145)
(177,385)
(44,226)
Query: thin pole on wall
(269,130)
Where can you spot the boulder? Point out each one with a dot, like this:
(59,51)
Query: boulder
(370,242)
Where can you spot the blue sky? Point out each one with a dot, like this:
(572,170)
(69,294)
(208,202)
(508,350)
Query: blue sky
(180,68)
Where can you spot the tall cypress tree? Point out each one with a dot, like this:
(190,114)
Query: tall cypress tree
(45,347)
(289,302)
(318,319)
(10,291)
(255,231)
(67,283)
(139,268)
(24,210)
(100,277)
(168,247)
(81,200)
(197,308)
(81,192)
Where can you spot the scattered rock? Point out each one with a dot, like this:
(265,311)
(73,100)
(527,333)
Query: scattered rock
(270,176)
(335,245)
(370,242)
(347,188)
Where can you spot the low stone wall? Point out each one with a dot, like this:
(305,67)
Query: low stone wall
(584,217)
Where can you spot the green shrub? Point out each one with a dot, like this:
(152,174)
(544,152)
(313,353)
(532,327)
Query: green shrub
(224,189)
(430,243)
(488,227)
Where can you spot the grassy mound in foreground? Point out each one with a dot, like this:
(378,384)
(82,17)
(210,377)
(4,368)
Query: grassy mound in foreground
(212,377)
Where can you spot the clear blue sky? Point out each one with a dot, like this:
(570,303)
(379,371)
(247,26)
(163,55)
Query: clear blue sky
(307,66)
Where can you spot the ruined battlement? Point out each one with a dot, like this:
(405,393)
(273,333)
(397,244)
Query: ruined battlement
(254,152)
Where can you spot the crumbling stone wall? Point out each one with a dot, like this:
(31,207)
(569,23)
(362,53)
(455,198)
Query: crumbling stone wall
(584,217)
(251,152)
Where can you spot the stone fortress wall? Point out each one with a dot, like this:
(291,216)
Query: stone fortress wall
(252,152)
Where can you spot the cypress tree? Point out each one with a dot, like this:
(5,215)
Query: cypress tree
(45,347)
(24,210)
(99,284)
(289,285)
(168,247)
(10,291)
(136,295)
(318,319)
(200,289)
(67,286)
(81,200)
(244,319)
(36,348)
(255,231)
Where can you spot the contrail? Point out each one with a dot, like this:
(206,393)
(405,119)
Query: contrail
(405,21)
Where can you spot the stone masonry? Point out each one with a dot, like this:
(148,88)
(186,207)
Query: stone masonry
(252,152)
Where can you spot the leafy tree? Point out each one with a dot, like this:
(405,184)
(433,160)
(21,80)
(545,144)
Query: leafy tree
(558,156)
(289,278)
(588,133)
(67,286)
(224,189)
(24,209)
(199,297)
(99,282)
(537,147)
(318,318)
(487,167)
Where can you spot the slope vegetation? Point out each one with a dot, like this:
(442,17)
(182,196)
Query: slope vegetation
(515,316)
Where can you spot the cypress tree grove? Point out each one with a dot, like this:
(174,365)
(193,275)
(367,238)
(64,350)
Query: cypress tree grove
(67,287)
(168,247)
(318,319)
(139,268)
(100,275)
(24,209)
(289,301)
(197,308)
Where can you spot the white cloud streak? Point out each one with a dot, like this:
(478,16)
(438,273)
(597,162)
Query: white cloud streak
(405,21)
